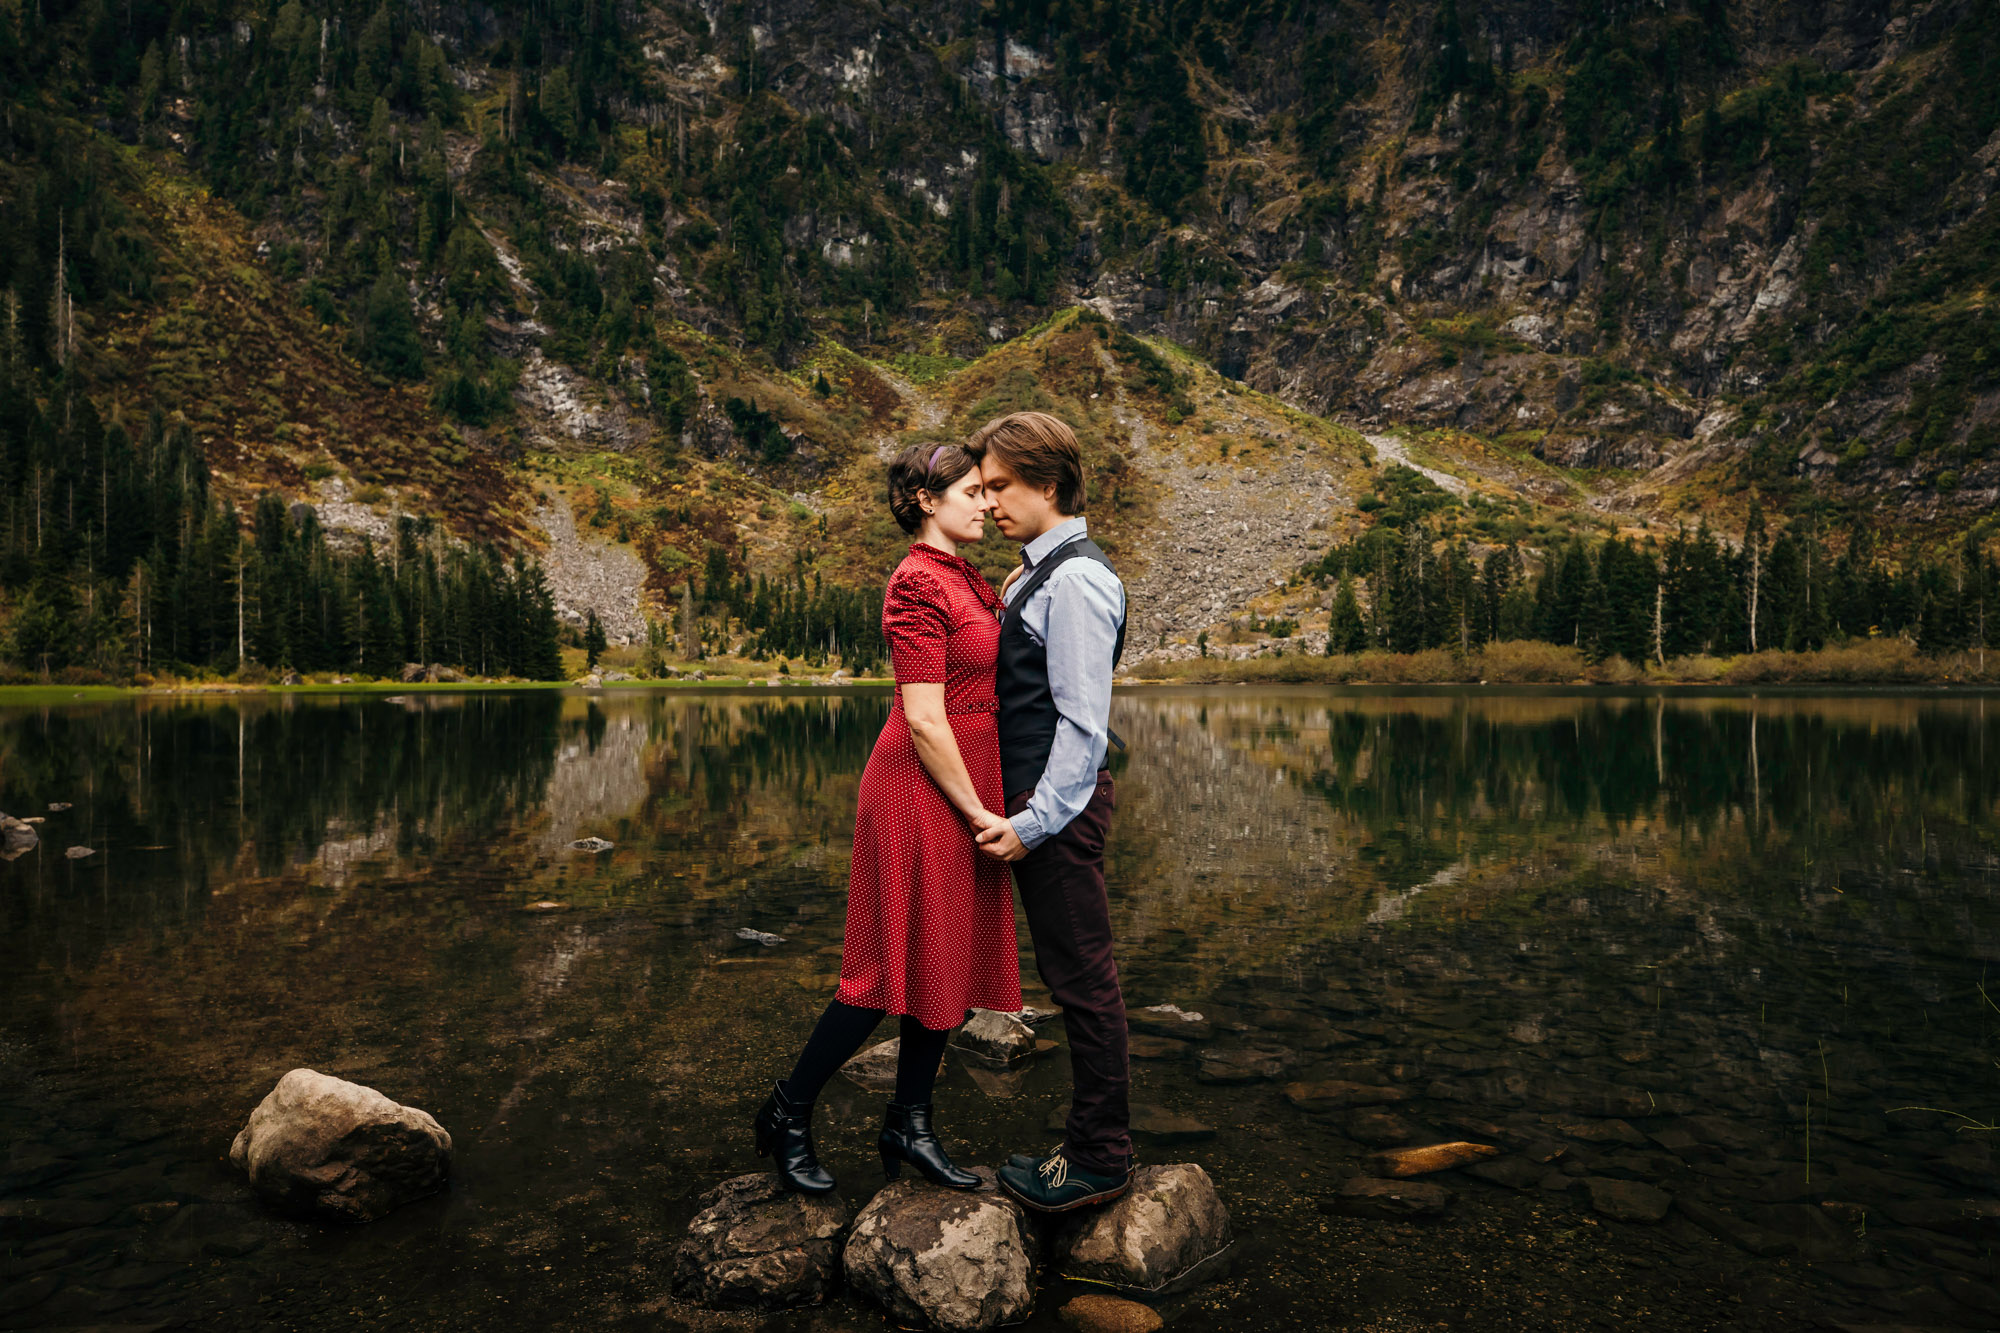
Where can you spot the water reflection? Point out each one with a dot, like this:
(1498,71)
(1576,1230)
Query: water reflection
(1672,941)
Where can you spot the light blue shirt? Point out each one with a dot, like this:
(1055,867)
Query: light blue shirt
(1075,615)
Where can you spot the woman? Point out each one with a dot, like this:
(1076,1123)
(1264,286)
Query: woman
(930,920)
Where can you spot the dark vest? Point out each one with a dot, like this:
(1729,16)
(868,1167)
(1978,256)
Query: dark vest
(1028,713)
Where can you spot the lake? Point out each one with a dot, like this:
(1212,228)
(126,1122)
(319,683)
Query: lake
(1719,944)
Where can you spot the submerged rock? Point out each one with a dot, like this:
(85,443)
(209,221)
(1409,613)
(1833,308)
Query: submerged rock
(1380,1128)
(1243,1064)
(1627,1200)
(1403,1162)
(1516,1173)
(327,1148)
(763,937)
(78,853)
(1145,1046)
(992,1035)
(1164,1234)
(951,1260)
(1148,1123)
(1092,1313)
(757,1245)
(592,845)
(1392,1200)
(1333,1094)
(875,1067)
(1170,1020)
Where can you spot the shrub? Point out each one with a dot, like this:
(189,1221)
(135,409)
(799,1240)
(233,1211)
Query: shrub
(1697,670)
(1529,662)
(1885,661)
(1616,670)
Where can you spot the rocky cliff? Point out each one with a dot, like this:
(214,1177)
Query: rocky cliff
(681,275)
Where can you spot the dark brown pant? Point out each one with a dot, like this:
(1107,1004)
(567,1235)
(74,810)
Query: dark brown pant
(1069,919)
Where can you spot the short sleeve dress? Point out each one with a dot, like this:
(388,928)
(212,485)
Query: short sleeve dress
(930,919)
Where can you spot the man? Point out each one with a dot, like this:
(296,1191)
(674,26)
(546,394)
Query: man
(1060,639)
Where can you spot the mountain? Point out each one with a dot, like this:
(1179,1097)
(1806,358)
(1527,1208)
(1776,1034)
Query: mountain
(623,287)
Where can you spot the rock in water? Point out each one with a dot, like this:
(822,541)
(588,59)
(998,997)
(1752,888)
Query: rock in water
(1391,1200)
(1333,1094)
(954,1261)
(16,835)
(78,853)
(324,1147)
(1245,1064)
(592,845)
(1404,1162)
(1092,1313)
(763,937)
(1159,1237)
(993,1035)
(756,1245)
(875,1067)
(1627,1200)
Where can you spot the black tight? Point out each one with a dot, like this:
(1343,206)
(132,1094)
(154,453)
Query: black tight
(839,1034)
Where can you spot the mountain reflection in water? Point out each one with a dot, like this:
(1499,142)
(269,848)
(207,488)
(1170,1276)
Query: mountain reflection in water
(1682,941)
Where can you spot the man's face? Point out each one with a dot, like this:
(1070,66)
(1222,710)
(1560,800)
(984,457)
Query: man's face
(1021,512)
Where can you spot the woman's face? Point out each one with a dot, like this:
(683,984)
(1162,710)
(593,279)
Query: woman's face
(960,512)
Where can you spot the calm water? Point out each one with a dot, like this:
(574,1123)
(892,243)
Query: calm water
(1715,944)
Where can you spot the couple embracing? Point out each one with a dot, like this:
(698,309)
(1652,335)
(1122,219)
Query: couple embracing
(993,754)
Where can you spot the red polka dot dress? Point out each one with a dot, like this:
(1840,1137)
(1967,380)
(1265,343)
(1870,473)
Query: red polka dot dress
(930,919)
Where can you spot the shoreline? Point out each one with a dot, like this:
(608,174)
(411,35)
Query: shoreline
(43,695)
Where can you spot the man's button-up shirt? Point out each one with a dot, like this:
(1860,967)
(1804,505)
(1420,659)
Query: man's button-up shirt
(1074,615)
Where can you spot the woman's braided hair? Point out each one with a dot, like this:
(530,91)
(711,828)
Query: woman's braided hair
(924,467)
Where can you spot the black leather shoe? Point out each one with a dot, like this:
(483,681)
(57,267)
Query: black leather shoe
(1056,1185)
(784,1134)
(907,1137)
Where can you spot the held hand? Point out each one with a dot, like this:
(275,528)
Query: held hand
(1000,842)
(982,820)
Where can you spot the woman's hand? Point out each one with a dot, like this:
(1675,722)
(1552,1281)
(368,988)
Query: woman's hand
(983,819)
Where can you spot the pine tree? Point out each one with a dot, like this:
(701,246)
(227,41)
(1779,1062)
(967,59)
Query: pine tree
(1345,632)
(594,641)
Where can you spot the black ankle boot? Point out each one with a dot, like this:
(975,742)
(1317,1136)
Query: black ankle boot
(907,1137)
(784,1134)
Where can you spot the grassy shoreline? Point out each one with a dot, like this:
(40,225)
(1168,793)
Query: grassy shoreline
(1429,669)
(1875,662)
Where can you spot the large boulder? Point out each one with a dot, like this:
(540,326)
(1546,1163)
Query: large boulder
(757,1245)
(323,1147)
(952,1260)
(1164,1234)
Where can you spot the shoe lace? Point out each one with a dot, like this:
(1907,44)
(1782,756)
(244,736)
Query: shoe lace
(1055,1171)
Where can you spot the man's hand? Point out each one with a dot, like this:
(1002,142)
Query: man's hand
(1001,842)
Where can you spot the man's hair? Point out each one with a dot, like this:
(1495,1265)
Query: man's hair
(1039,449)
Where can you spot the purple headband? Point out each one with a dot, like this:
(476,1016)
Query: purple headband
(931,466)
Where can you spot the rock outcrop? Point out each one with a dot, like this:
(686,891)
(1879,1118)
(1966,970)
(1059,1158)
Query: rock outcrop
(1165,1234)
(756,1245)
(957,1262)
(322,1147)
